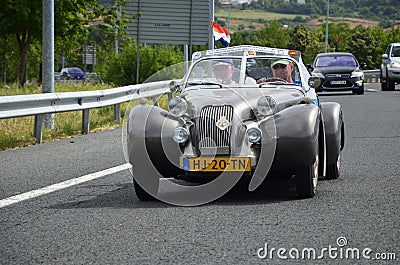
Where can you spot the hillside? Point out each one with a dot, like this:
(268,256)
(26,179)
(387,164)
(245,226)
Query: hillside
(256,19)
(375,12)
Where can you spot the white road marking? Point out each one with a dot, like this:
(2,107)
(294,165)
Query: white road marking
(62,185)
(372,90)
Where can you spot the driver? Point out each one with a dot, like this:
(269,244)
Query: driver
(223,71)
(282,69)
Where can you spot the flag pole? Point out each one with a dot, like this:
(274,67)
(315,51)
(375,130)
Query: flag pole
(211,37)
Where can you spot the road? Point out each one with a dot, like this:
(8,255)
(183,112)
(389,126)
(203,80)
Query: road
(100,221)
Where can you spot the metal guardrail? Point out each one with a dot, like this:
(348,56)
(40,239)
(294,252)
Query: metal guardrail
(372,76)
(48,103)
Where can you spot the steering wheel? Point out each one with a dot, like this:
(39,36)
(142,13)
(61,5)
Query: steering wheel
(273,79)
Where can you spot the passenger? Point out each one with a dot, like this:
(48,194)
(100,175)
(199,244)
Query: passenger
(223,71)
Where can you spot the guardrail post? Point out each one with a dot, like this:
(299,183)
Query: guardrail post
(85,121)
(37,129)
(117,112)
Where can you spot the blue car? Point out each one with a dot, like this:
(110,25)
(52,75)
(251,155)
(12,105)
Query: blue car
(72,73)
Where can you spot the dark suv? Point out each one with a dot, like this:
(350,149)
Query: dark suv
(338,71)
(390,67)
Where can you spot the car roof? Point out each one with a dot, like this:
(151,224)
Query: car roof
(334,54)
(249,51)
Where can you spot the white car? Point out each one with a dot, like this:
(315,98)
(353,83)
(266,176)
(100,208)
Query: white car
(390,67)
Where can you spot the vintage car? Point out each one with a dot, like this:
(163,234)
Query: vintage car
(235,123)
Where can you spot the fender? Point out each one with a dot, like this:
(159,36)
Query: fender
(297,130)
(153,126)
(334,130)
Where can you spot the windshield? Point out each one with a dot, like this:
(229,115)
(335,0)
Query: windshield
(334,60)
(227,71)
(396,51)
(75,70)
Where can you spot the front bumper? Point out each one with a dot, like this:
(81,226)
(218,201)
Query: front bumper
(394,74)
(340,84)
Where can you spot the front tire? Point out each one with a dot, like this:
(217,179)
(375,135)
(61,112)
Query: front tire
(141,193)
(333,171)
(390,84)
(383,83)
(359,91)
(307,180)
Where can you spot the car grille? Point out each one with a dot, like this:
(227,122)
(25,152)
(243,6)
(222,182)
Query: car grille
(209,135)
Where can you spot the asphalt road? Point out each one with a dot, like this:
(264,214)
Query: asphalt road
(102,222)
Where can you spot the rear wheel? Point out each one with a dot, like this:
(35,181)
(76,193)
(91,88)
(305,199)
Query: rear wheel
(307,180)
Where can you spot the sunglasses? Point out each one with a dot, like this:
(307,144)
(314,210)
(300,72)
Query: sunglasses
(279,66)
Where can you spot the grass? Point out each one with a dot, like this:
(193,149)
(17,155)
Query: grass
(18,132)
(252,15)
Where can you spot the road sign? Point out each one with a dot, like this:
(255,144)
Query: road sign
(89,54)
(170,22)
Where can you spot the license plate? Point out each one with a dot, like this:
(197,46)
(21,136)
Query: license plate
(338,82)
(217,164)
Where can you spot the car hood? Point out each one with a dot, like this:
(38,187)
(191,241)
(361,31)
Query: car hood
(243,100)
(335,69)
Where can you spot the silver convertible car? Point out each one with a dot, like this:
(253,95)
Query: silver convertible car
(235,118)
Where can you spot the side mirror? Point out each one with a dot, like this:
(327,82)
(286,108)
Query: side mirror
(174,86)
(363,65)
(314,81)
(309,67)
(385,56)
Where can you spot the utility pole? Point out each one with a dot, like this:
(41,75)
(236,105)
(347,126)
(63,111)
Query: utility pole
(326,29)
(229,17)
(48,55)
(211,37)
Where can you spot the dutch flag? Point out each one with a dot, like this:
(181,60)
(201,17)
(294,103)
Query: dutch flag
(221,34)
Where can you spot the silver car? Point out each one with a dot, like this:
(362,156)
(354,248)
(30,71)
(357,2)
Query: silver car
(390,67)
(219,130)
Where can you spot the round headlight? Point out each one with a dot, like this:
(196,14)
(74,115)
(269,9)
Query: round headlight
(180,135)
(254,135)
(177,106)
(266,105)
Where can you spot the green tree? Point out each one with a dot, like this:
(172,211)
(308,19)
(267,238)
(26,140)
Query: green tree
(273,35)
(23,19)
(365,46)
(121,70)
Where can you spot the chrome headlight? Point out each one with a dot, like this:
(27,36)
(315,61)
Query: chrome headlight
(357,74)
(320,75)
(254,135)
(395,64)
(177,106)
(266,105)
(180,135)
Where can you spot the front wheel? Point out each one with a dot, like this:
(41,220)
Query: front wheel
(359,91)
(142,194)
(390,84)
(383,82)
(307,180)
(333,171)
